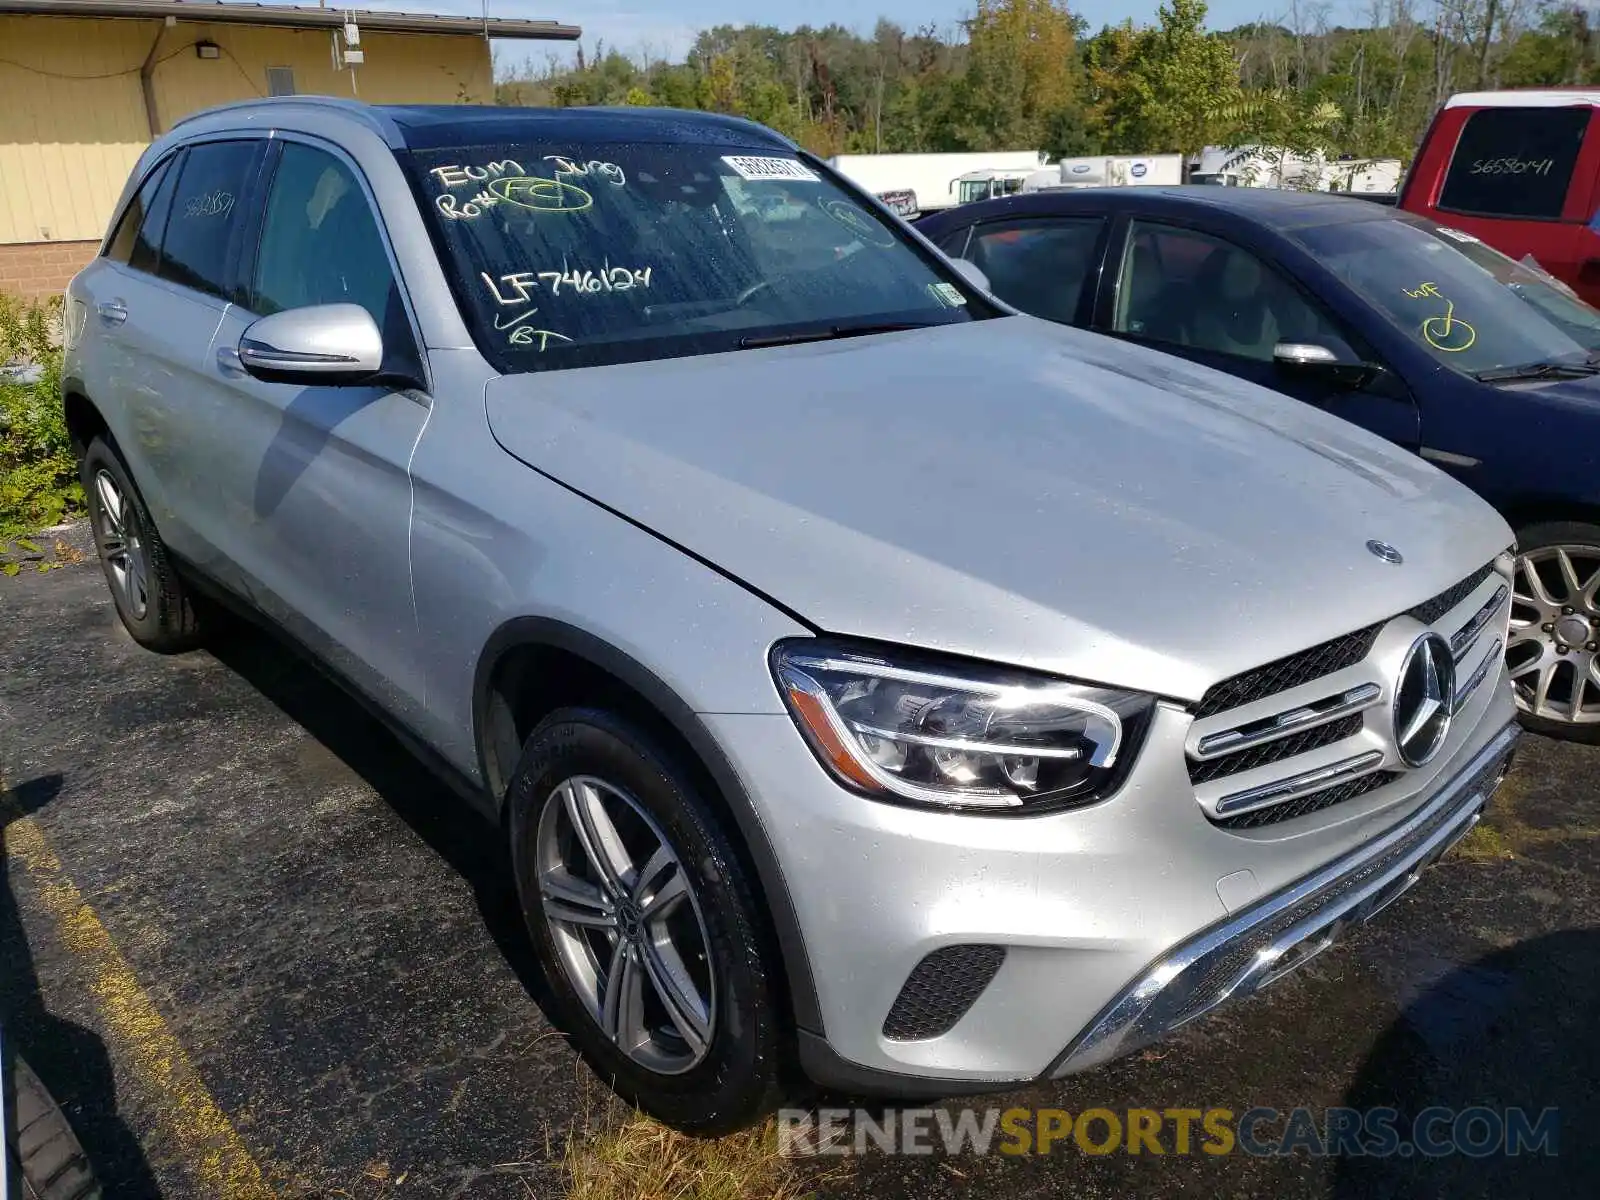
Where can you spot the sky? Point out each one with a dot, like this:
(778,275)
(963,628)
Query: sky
(665,28)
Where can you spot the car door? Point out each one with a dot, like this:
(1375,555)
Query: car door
(1038,264)
(1204,296)
(313,481)
(160,306)
(120,283)
(191,292)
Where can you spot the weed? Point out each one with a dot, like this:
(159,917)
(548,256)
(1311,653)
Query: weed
(38,473)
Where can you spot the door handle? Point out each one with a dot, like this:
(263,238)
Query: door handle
(112,312)
(228,361)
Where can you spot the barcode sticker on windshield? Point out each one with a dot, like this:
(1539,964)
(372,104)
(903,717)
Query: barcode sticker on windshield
(753,168)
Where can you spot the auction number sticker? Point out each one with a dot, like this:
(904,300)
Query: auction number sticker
(754,168)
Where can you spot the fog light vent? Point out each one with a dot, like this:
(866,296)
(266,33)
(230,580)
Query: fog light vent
(939,991)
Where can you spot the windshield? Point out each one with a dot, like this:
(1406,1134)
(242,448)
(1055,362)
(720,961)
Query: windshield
(566,254)
(1470,307)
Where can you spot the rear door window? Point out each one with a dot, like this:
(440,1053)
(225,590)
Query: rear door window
(1515,162)
(208,211)
(1038,264)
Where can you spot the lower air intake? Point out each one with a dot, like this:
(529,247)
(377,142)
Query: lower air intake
(939,991)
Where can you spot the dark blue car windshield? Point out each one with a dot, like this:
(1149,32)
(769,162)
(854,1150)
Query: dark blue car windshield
(573,255)
(1469,306)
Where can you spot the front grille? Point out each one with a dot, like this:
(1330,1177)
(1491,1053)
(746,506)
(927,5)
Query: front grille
(939,991)
(1430,611)
(1271,752)
(1285,673)
(1292,671)
(1301,806)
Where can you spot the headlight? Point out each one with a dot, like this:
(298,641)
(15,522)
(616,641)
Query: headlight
(905,727)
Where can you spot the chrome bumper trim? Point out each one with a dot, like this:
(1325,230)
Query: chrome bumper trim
(1245,952)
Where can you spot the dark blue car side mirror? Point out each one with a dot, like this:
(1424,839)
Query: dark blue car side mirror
(1326,358)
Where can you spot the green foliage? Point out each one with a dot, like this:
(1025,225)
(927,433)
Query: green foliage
(38,474)
(1022,74)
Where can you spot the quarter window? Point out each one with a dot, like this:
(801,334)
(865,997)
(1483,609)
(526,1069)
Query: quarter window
(320,242)
(121,246)
(1194,290)
(1038,265)
(1515,162)
(207,209)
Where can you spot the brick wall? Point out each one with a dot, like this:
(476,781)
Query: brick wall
(38,269)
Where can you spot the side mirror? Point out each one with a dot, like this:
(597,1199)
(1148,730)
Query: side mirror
(1326,358)
(972,273)
(322,344)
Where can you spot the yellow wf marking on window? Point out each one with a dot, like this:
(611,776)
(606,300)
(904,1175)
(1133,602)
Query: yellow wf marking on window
(1446,328)
(189,1120)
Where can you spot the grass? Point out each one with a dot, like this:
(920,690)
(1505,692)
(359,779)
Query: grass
(1505,834)
(634,1158)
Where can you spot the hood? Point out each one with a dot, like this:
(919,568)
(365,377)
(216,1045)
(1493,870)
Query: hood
(1015,491)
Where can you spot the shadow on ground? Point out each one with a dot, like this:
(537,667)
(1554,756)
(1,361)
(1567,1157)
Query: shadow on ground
(1519,1028)
(455,831)
(71,1061)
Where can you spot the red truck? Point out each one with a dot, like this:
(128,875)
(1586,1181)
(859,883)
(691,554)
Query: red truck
(1521,171)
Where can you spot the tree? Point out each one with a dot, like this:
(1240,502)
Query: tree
(1165,88)
(1022,73)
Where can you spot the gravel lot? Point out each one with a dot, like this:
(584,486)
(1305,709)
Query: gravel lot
(258,951)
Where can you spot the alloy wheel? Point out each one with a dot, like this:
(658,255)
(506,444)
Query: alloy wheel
(1553,654)
(626,924)
(122,545)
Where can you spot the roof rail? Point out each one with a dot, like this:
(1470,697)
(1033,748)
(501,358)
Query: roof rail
(375,119)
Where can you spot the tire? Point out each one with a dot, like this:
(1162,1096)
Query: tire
(155,607)
(1548,640)
(42,1152)
(720,958)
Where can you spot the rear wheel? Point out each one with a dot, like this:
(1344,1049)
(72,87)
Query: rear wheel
(644,921)
(1553,654)
(152,601)
(43,1156)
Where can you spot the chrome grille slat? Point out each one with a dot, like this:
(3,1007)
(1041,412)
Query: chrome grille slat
(1266,729)
(1462,640)
(1296,785)
(1323,748)
(1266,753)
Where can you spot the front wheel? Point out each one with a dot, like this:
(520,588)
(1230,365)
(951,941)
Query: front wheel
(1553,653)
(644,921)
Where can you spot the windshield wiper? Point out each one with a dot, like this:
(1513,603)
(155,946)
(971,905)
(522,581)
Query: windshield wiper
(1537,370)
(756,341)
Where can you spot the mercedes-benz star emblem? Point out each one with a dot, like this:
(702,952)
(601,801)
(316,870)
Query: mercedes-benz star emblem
(1386,552)
(1424,699)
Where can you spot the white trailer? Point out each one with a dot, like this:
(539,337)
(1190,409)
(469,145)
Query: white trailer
(931,177)
(1277,167)
(1148,170)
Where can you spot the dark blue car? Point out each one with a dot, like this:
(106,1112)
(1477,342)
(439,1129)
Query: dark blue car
(1423,334)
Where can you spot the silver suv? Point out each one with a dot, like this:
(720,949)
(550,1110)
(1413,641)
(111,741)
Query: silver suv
(867,678)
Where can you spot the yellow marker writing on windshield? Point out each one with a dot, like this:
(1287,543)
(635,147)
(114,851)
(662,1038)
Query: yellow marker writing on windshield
(1425,289)
(1441,332)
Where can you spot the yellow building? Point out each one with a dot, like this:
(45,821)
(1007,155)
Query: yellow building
(85,85)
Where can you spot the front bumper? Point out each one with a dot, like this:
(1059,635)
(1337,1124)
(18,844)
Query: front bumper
(1105,912)
(1286,930)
